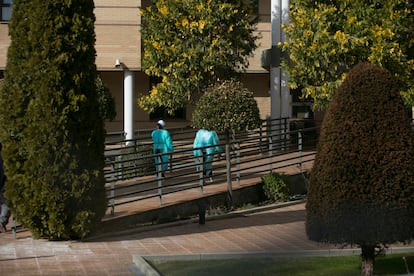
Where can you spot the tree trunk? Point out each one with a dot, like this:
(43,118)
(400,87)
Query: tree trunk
(367,260)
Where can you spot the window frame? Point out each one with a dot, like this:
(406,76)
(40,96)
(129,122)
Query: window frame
(3,5)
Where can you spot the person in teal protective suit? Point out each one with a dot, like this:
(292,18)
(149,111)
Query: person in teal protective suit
(162,145)
(206,144)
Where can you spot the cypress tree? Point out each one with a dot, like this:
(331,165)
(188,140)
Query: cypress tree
(51,127)
(362,183)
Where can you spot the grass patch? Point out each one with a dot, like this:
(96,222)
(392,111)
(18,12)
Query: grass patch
(392,264)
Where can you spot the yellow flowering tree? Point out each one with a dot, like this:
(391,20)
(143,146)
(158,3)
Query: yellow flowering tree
(191,44)
(327,38)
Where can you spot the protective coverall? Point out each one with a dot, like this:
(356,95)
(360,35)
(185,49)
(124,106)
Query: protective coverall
(162,144)
(206,144)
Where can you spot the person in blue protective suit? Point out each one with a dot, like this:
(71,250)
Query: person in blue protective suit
(206,144)
(162,145)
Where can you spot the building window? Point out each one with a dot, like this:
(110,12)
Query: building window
(161,113)
(5,10)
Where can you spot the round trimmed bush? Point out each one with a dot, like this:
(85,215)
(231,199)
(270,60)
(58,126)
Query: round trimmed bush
(227,106)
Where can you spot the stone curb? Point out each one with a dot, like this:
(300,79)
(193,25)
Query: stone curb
(142,265)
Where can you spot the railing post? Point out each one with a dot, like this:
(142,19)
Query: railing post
(228,172)
(300,148)
(135,156)
(170,163)
(200,169)
(201,211)
(261,138)
(270,154)
(113,179)
(159,178)
(120,166)
(237,147)
(14,228)
(286,133)
(237,151)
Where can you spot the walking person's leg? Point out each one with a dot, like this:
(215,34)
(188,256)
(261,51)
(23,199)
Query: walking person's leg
(208,167)
(199,164)
(204,158)
(164,165)
(159,164)
(156,162)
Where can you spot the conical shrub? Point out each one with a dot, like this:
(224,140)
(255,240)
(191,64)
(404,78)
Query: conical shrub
(361,188)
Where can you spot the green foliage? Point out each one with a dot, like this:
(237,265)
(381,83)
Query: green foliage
(50,124)
(327,38)
(227,106)
(362,182)
(107,106)
(276,187)
(191,44)
(106,101)
(137,161)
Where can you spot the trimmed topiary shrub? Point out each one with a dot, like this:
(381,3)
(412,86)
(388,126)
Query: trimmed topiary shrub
(361,188)
(227,106)
(276,187)
(51,123)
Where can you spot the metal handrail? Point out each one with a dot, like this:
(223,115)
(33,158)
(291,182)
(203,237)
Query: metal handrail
(253,153)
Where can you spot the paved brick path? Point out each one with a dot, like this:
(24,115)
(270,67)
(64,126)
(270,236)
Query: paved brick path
(272,231)
(278,230)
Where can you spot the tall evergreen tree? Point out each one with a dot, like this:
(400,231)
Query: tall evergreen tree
(51,127)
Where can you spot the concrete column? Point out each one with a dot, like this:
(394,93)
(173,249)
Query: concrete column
(128,104)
